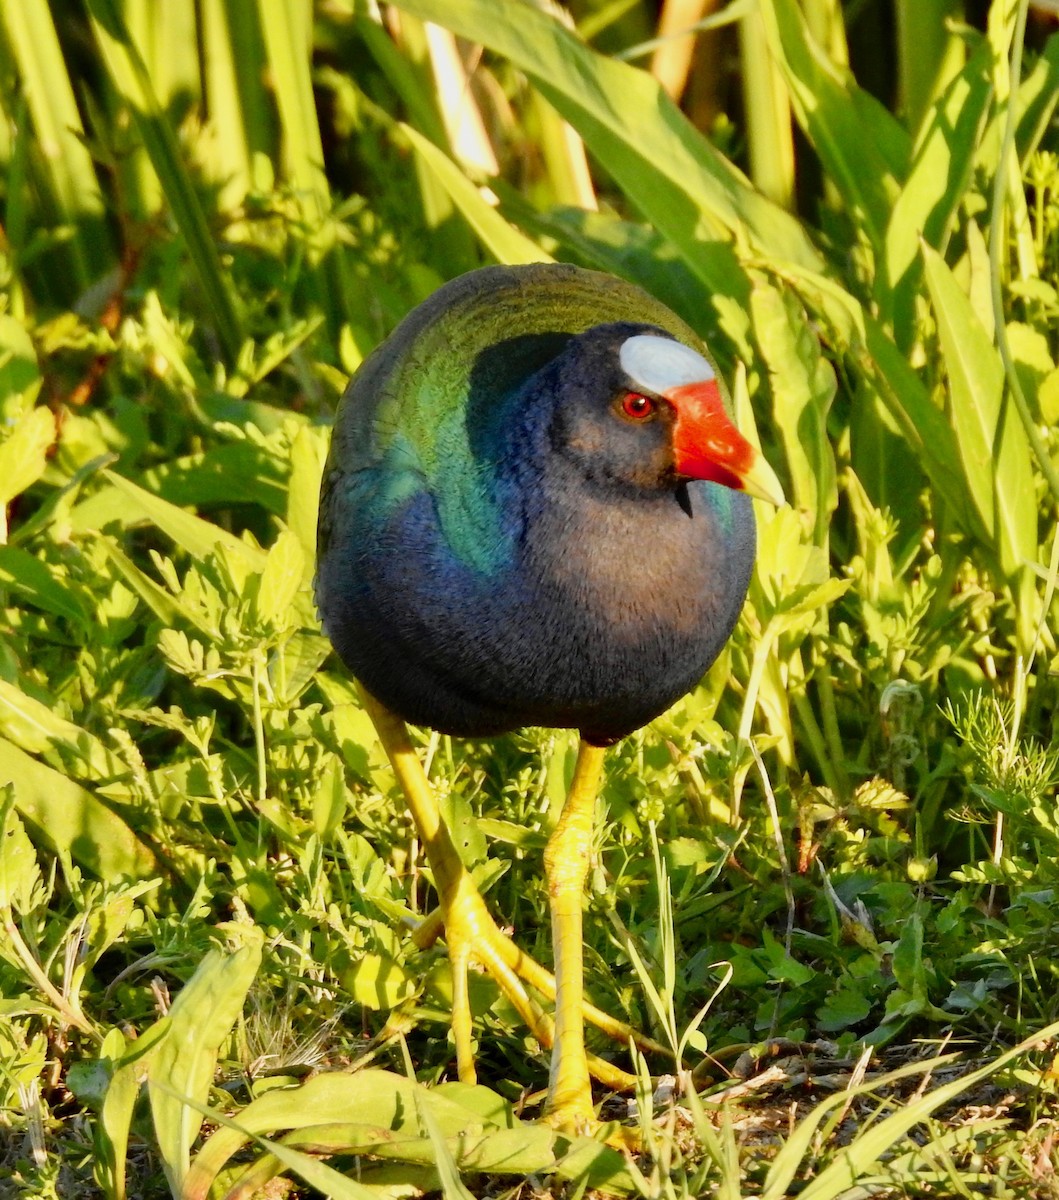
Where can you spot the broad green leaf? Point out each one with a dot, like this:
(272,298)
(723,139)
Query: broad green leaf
(502,240)
(72,821)
(19,869)
(20,376)
(36,727)
(379,1114)
(35,582)
(198,537)
(23,453)
(358,740)
(293,667)
(908,956)
(324,1179)
(281,579)
(329,797)
(992,443)
(308,453)
(183,1066)
(462,822)
(683,186)
(590,1163)
(843,1009)
(128,1069)
(378,982)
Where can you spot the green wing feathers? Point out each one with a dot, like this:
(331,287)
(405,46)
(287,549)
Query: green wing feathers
(403,419)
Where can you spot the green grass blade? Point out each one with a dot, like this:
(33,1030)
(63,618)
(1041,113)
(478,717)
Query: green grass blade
(233,57)
(798,1145)
(307,455)
(36,727)
(17,209)
(501,239)
(1008,194)
(941,171)
(878,1139)
(452,1186)
(287,33)
(929,53)
(167,35)
(680,183)
(770,138)
(198,537)
(31,579)
(923,426)
(70,175)
(165,607)
(803,386)
(1038,95)
(859,143)
(992,443)
(408,74)
(130,77)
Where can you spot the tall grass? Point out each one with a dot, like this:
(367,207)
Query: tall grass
(211,212)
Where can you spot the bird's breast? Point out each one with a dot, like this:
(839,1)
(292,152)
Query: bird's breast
(600,619)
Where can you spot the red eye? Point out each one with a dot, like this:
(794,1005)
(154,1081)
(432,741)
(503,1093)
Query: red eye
(638,407)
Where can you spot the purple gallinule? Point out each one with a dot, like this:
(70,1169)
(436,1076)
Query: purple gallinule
(535,511)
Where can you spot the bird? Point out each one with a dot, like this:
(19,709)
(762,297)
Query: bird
(535,511)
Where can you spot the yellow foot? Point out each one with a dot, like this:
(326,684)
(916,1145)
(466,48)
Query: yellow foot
(502,949)
(610,1133)
(472,937)
(573,1120)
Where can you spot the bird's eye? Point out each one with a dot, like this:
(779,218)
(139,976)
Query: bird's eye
(637,407)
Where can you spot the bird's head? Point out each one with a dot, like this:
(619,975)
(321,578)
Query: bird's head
(638,408)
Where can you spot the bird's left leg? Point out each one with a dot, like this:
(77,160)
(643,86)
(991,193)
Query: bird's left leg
(566,862)
(471,934)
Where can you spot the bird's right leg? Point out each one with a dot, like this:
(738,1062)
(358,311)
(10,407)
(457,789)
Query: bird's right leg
(471,934)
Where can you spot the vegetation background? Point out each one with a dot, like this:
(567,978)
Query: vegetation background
(832,862)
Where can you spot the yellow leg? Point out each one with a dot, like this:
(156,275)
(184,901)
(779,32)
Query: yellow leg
(566,861)
(472,935)
(468,926)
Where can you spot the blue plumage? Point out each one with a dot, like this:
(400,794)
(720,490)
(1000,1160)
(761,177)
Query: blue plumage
(506,538)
